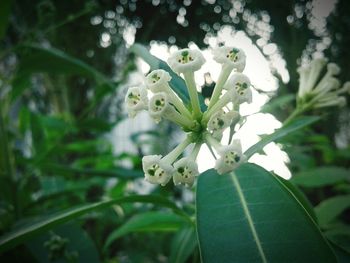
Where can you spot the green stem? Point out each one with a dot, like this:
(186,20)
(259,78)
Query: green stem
(178,104)
(179,119)
(224,74)
(192,90)
(195,151)
(218,106)
(175,153)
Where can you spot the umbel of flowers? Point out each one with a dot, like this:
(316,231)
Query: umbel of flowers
(201,127)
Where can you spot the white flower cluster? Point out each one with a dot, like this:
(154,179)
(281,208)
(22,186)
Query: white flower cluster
(202,127)
(316,90)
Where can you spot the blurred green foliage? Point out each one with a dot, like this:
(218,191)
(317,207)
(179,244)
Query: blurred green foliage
(62,65)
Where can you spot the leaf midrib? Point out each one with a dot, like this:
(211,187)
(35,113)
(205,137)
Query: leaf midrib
(248,216)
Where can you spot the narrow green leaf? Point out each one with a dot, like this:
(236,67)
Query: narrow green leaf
(5,9)
(79,243)
(18,236)
(249,216)
(37,59)
(331,208)
(147,222)
(183,245)
(70,170)
(322,176)
(277,103)
(280,133)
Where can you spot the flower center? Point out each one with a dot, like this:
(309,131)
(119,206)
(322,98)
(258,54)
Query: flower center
(134,98)
(233,54)
(152,170)
(241,88)
(231,158)
(185,172)
(155,78)
(185,57)
(159,104)
(155,170)
(218,123)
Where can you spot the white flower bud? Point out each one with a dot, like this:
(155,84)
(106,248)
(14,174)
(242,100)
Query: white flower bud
(232,56)
(185,171)
(136,100)
(240,84)
(186,60)
(230,157)
(157,80)
(156,171)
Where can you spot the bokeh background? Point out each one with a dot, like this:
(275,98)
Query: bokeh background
(64,133)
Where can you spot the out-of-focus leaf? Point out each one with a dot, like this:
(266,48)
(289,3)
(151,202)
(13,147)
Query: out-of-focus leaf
(37,59)
(38,133)
(21,234)
(322,176)
(5,9)
(148,222)
(78,245)
(69,170)
(183,245)
(343,256)
(277,103)
(249,216)
(331,208)
(176,83)
(280,133)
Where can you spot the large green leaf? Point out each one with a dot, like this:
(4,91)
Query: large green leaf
(280,133)
(176,83)
(153,221)
(331,208)
(249,216)
(321,176)
(18,236)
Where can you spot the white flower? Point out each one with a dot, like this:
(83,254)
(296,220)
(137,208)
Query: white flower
(185,171)
(309,76)
(157,80)
(327,91)
(136,100)
(231,56)
(186,60)
(156,171)
(230,157)
(159,106)
(240,84)
(219,121)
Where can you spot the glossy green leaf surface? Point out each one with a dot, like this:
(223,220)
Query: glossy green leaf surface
(249,216)
(329,209)
(148,222)
(17,236)
(280,133)
(322,176)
